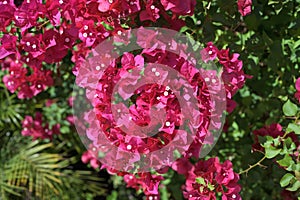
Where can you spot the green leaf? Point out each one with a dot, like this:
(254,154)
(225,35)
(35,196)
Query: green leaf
(289,109)
(271,152)
(211,187)
(164,193)
(293,128)
(286,161)
(285,180)
(200,180)
(288,146)
(113,196)
(294,187)
(64,129)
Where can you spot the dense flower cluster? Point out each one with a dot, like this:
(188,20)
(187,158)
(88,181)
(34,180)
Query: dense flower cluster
(150,95)
(147,181)
(205,179)
(26,85)
(78,19)
(233,75)
(72,21)
(127,70)
(37,36)
(37,129)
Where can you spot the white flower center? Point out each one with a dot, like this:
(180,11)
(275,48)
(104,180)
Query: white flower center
(168,123)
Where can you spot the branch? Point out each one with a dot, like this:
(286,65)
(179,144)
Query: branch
(252,166)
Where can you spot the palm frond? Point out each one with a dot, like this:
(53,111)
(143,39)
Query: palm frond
(46,175)
(10,110)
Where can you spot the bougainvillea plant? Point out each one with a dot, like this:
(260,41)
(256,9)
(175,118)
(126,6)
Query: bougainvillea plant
(45,46)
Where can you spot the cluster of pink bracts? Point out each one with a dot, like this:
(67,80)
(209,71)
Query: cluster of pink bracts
(36,33)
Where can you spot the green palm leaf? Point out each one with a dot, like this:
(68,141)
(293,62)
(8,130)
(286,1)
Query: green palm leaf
(45,175)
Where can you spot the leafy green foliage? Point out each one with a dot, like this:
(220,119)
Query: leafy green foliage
(39,170)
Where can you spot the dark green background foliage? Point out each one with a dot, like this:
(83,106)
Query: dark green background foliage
(268,41)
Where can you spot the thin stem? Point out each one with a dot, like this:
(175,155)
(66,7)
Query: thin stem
(252,166)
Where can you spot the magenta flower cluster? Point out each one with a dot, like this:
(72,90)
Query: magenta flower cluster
(37,128)
(36,38)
